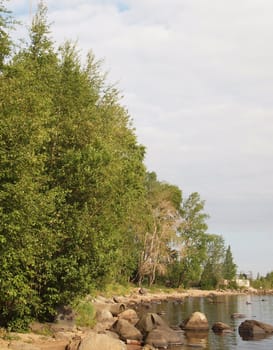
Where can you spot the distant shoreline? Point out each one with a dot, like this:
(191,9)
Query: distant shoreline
(145,296)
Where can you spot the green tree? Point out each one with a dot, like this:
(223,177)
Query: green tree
(72,177)
(5,41)
(193,239)
(229,267)
(212,273)
(95,157)
(163,215)
(27,205)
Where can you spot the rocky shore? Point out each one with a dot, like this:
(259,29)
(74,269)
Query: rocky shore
(115,324)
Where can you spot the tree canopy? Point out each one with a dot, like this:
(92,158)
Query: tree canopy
(78,208)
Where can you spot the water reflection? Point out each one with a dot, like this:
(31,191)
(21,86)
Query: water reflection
(219,309)
(196,339)
(256,337)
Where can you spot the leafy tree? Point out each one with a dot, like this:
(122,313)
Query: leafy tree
(163,219)
(96,158)
(193,239)
(212,272)
(28,206)
(263,282)
(5,42)
(229,267)
(77,207)
(72,176)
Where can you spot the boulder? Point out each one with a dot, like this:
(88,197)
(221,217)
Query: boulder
(104,315)
(219,327)
(156,338)
(126,330)
(129,315)
(116,309)
(105,320)
(111,334)
(164,334)
(157,332)
(148,322)
(96,341)
(196,321)
(251,328)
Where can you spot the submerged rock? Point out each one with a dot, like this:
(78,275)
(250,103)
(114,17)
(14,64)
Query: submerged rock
(220,327)
(253,328)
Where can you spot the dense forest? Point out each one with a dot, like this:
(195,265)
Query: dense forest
(78,208)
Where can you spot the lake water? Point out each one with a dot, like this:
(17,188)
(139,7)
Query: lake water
(259,308)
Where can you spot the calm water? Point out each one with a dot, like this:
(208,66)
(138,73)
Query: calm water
(260,309)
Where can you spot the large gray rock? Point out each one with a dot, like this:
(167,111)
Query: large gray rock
(196,321)
(157,332)
(96,341)
(164,335)
(129,315)
(252,328)
(150,321)
(104,315)
(126,330)
(156,338)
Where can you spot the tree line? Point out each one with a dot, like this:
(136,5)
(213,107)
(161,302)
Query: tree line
(78,208)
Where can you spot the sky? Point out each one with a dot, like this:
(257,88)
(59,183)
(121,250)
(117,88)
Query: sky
(197,79)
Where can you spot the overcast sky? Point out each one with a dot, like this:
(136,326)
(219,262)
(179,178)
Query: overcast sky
(197,79)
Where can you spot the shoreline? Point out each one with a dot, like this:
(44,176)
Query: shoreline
(64,333)
(147,296)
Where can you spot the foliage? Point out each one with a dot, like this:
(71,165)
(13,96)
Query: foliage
(263,282)
(229,267)
(163,208)
(117,289)
(78,210)
(212,273)
(193,240)
(85,314)
(72,175)
(5,42)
